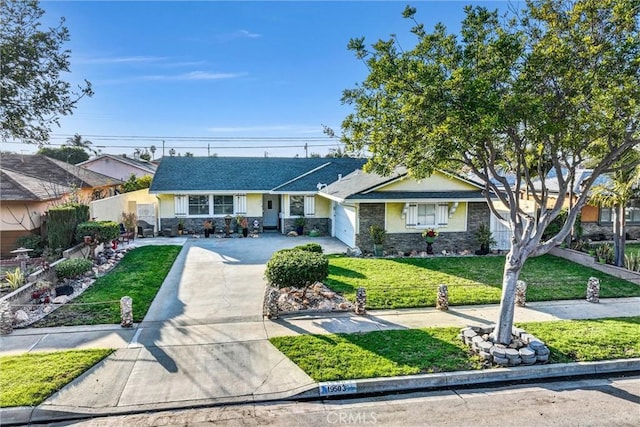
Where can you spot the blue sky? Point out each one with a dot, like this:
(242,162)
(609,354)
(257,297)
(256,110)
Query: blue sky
(194,73)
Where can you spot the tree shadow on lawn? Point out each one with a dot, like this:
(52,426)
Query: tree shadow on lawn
(381,354)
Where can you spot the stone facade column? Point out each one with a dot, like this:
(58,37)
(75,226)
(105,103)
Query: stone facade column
(442,303)
(521,293)
(126,312)
(361,301)
(593,289)
(271,303)
(6,318)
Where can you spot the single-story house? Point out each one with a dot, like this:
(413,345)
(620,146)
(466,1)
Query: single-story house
(272,191)
(31,184)
(405,207)
(597,221)
(119,167)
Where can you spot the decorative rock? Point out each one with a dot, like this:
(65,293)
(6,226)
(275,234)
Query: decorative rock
(62,299)
(361,301)
(6,318)
(521,293)
(526,352)
(536,344)
(593,290)
(468,335)
(442,303)
(126,312)
(21,316)
(503,361)
(355,252)
(497,351)
(485,347)
(64,290)
(271,303)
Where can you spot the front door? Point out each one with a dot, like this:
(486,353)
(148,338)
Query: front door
(271,208)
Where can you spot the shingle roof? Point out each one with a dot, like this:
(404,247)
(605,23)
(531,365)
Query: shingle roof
(140,164)
(37,177)
(262,174)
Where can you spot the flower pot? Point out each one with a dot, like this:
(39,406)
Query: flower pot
(377,250)
(245,232)
(300,230)
(207,232)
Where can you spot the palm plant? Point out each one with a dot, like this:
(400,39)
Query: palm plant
(77,141)
(623,187)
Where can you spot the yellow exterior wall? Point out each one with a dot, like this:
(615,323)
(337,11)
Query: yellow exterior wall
(254,205)
(436,182)
(166,206)
(396,224)
(323,207)
(22,216)
(111,208)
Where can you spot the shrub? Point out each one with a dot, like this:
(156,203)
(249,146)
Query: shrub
(70,268)
(632,261)
(61,225)
(605,252)
(102,231)
(32,241)
(310,247)
(15,278)
(297,268)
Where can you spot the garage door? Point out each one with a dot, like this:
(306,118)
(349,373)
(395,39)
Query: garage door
(345,225)
(501,233)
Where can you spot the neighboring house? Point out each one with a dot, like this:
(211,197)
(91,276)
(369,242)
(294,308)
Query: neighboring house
(119,167)
(596,221)
(30,184)
(273,191)
(405,207)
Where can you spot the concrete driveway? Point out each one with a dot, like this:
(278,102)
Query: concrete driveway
(203,339)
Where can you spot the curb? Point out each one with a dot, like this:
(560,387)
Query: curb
(43,414)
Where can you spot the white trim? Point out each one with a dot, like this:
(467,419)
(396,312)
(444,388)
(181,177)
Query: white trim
(301,176)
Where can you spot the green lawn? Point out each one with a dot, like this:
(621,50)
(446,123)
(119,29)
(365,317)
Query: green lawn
(139,275)
(413,282)
(416,351)
(27,380)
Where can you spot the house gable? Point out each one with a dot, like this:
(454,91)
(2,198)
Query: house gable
(437,181)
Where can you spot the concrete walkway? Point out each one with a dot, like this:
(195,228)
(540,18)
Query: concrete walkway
(204,339)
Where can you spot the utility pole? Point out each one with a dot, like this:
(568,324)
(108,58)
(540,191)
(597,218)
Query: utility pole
(163,148)
(208,150)
(306,146)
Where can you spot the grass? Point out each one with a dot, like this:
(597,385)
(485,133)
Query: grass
(416,351)
(413,282)
(138,275)
(27,380)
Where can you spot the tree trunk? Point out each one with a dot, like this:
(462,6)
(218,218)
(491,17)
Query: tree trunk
(512,266)
(619,238)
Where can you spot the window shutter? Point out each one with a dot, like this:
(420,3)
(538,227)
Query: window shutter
(180,205)
(442,214)
(309,205)
(241,204)
(412,215)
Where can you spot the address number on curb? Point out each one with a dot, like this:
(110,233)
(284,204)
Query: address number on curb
(337,387)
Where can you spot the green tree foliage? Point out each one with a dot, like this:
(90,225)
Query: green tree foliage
(61,226)
(33,94)
(295,267)
(529,98)
(77,141)
(70,268)
(101,231)
(72,155)
(134,183)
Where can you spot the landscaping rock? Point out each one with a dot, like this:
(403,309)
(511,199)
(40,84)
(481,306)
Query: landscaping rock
(593,290)
(21,316)
(62,299)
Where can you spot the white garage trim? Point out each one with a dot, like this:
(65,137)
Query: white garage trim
(344,224)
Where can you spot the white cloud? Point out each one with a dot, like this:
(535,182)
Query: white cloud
(194,75)
(247,34)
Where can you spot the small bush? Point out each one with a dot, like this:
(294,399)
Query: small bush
(310,247)
(15,278)
(605,252)
(70,268)
(297,268)
(31,241)
(632,261)
(102,231)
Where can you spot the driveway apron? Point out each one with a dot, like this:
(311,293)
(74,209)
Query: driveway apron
(203,339)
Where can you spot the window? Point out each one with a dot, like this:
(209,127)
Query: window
(222,205)
(198,205)
(423,215)
(632,214)
(296,205)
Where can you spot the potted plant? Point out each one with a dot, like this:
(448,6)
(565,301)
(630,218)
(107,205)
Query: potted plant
(239,219)
(429,236)
(180,226)
(378,235)
(208,225)
(244,224)
(485,238)
(300,223)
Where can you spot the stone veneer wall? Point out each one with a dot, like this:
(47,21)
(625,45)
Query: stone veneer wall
(197,224)
(373,213)
(597,231)
(321,224)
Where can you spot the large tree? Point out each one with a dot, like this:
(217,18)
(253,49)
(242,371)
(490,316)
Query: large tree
(72,155)
(79,142)
(33,93)
(530,98)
